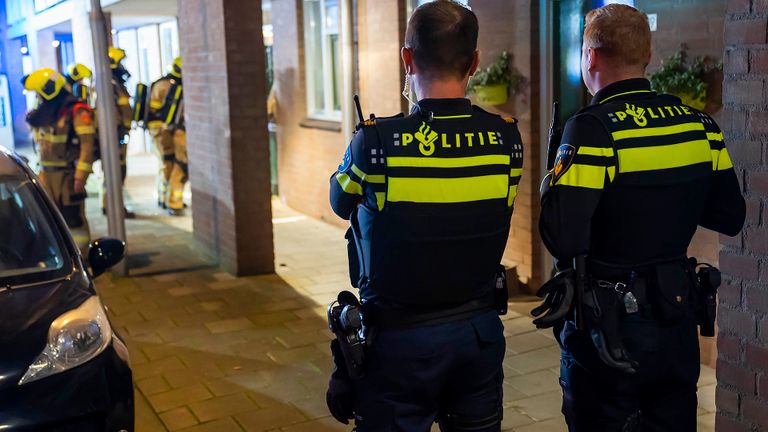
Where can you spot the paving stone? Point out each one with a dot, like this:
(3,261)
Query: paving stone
(150,386)
(178,418)
(269,418)
(156,367)
(224,425)
(535,383)
(229,325)
(221,407)
(325,424)
(178,397)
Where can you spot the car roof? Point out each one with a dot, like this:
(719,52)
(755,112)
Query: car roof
(11,165)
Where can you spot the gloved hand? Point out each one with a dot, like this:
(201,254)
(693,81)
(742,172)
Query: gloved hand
(340,396)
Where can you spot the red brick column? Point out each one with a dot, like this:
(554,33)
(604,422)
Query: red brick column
(742,367)
(225,108)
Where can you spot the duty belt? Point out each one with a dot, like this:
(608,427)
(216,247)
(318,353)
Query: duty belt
(57,166)
(388,317)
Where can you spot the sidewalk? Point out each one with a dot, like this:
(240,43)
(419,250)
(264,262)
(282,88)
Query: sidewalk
(212,352)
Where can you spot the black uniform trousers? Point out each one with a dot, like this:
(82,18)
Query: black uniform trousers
(659,397)
(416,375)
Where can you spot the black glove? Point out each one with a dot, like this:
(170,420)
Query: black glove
(340,396)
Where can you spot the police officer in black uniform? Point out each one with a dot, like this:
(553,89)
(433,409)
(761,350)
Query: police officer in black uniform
(430,197)
(635,174)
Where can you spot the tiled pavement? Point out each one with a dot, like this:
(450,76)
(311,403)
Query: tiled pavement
(211,352)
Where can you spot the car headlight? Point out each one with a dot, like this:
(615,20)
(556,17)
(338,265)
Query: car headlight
(73,338)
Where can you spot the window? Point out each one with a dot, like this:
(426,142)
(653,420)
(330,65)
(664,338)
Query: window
(41,5)
(323,62)
(413,4)
(31,251)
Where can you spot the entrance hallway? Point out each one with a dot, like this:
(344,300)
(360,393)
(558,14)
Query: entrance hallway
(212,352)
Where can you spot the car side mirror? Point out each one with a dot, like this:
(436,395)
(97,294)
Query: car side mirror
(105,253)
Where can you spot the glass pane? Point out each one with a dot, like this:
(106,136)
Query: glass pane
(314,55)
(30,251)
(335,70)
(332,16)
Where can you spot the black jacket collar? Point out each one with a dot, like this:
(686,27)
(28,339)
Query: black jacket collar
(631,88)
(444,107)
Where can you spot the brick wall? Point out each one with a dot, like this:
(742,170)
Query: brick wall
(512,26)
(225,109)
(698,24)
(307,156)
(742,367)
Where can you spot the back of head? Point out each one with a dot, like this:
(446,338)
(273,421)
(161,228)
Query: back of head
(621,33)
(443,37)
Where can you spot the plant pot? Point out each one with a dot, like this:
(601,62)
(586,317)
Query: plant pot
(492,95)
(698,104)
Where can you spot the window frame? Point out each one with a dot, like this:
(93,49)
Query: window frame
(331,80)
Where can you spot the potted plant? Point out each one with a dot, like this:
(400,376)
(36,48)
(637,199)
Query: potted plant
(493,84)
(686,81)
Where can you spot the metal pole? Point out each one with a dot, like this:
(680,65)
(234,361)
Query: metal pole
(105,111)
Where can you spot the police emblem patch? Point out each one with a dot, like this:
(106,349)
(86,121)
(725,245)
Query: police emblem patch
(563,161)
(347,162)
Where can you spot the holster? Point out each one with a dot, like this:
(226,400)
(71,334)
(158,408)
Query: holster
(708,280)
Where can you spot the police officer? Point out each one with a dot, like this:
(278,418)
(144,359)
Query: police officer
(430,197)
(66,144)
(166,126)
(124,116)
(635,174)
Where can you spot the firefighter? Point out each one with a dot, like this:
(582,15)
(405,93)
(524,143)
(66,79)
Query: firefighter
(635,174)
(66,144)
(165,121)
(429,197)
(124,116)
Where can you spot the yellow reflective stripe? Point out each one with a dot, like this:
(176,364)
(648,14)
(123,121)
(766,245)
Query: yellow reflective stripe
(85,130)
(623,94)
(516,172)
(365,177)
(459,162)
(155,124)
(714,136)
(84,166)
(596,151)
(381,198)
(584,176)
(54,163)
(452,117)
(657,131)
(154,104)
(512,195)
(447,190)
(348,185)
(664,157)
(123,100)
(724,161)
(54,139)
(178,194)
(611,173)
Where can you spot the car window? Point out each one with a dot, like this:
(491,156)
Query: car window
(31,249)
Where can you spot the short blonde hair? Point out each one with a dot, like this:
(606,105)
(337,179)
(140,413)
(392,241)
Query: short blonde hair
(621,32)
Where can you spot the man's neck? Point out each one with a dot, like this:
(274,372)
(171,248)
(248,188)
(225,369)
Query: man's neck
(604,79)
(440,89)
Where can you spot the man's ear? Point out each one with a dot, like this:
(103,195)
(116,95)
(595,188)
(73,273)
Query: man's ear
(407,56)
(475,63)
(593,58)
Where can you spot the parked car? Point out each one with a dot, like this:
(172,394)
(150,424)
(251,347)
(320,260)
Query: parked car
(62,366)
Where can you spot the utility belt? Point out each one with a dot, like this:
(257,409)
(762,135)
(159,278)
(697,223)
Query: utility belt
(597,296)
(57,166)
(355,324)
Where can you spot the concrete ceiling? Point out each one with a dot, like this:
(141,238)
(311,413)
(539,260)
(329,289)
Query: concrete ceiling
(136,13)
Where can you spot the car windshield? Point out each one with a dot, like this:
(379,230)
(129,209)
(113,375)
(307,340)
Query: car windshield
(31,250)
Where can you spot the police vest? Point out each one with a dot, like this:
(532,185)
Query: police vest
(445,195)
(657,173)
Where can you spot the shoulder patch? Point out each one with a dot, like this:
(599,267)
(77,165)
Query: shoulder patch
(510,120)
(563,161)
(369,122)
(347,162)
